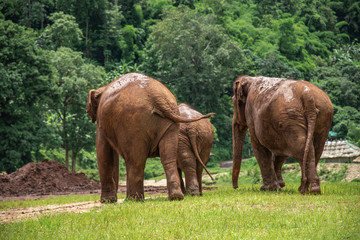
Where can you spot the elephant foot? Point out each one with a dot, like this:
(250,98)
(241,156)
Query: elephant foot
(270,187)
(175,192)
(304,188)
(112,199)
(135,197)
(315,190)
(281,183)
(176,196)
(193,189)
(193,192)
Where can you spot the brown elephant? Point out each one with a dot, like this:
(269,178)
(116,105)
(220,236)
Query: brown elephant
(195,142)
(137,117)
(285,118)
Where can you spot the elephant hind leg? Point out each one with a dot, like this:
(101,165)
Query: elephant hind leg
(181,181)
(135,161)
(266,162)
(311,177)
(278,163)
(189,164)
(116,170)
(106,158)
(168,147)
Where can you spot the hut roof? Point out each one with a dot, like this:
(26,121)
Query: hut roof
(339,149)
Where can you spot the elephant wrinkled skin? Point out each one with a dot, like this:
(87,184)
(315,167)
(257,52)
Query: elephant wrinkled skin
(137,117)
(285,118)
(195,142)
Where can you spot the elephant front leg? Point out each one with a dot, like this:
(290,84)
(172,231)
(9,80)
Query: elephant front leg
(168,147)
(266,163)
(106,163)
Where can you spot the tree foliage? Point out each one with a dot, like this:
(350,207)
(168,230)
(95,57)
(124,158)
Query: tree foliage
(194,57)
(63,32)
(25,87)
(52,52)
(73,79)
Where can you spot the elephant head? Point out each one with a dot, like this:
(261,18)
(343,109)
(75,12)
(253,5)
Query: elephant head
(239,126)
(93,102)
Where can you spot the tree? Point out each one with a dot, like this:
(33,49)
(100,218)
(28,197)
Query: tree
(192,55)
(74,79)
(25,84)
(29,13)
(110,35)
(64,32)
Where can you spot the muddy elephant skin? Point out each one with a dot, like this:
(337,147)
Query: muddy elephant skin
(136,117)
(285,118)
(195,142)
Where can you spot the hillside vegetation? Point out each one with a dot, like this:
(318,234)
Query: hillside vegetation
(52,52)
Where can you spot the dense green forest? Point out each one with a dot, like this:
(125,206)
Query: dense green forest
(52,52)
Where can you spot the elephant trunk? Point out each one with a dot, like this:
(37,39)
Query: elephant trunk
(239,133)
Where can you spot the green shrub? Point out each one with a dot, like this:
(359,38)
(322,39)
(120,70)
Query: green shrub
(332,176)
(221,153)
(153,168)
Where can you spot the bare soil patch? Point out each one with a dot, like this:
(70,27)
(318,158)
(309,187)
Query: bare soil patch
(48,178)
(24,213)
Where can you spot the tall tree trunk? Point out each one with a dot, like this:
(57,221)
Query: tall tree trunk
(87,33)
(66,147)
(28,13)
(66,157)
(87,38)
(73,160)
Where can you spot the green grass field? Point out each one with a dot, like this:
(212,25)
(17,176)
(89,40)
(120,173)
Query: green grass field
(225,213)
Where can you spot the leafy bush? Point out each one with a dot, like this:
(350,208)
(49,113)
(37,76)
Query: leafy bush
(332,176)
(153,168)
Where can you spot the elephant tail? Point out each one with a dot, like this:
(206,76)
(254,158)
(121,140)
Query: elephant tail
(166,109)
(310,114)
(179,119)
(192,138)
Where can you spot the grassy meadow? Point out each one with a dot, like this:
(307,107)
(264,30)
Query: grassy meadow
(224,213)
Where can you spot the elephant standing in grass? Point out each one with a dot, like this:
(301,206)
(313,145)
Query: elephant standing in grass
(137,117)
(285,118)
(195,142)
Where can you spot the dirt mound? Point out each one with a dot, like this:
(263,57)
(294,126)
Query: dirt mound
(38,180)
(44,178)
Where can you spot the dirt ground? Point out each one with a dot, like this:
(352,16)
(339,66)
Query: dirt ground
(49,178)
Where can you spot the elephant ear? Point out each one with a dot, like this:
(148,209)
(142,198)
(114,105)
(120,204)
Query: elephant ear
(238,88)
(93,102)
(239,98)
